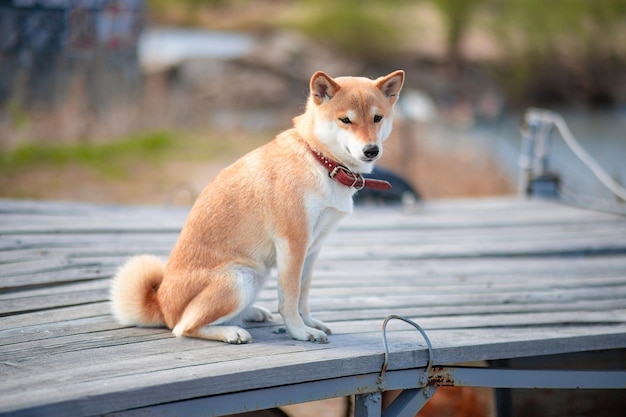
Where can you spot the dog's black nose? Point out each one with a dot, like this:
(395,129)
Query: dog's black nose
(371,151)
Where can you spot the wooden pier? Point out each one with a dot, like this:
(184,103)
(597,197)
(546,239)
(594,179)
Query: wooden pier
(488,280)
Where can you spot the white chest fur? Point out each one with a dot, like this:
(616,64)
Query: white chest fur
(325,211)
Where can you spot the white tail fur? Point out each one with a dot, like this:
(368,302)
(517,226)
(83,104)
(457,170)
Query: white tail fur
(133,291)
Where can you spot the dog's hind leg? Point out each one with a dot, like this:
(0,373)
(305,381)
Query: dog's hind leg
(207,314)
(203,321)
(228,334)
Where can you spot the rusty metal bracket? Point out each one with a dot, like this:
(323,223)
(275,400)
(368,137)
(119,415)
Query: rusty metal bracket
(423,379)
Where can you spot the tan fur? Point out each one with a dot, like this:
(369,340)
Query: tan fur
(140,306)
(273,207)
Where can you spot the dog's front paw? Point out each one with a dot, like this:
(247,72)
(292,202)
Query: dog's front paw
(310,334)
(311,322)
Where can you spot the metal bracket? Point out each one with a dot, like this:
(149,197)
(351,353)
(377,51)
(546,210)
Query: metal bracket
(423,378)
(367,405)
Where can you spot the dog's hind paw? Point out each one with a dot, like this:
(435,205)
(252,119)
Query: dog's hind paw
(236,335)
(258,314)
(228,334)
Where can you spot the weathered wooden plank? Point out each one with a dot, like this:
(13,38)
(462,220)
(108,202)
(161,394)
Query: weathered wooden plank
(42,319)
(443,215)
(75,273)
(28,240)
(465,268)
(420,249)
(73,209)
(18,247)
(495,273)
(133,354)
(202,376)
(594,287)
(337,298)
(71,320)
(453,311)
(17,340)
(451,214)
(572,247)
(524,231)
(116,242)
(458,281)
(43,264)
(53,270)
(83,251)
(53,297)
(332,286)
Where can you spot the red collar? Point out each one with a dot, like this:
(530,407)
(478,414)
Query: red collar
(344,176)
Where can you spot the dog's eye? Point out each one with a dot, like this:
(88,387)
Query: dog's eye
(345,120)
(378,118)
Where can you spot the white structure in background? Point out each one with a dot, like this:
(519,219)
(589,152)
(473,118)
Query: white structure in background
(162,48)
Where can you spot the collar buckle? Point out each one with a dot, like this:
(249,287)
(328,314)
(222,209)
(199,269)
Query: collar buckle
(358,182)
(332,174)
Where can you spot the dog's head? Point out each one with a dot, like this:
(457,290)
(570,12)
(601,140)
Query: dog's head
(354,115)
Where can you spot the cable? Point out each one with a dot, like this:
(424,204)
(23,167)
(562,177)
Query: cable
(557,120)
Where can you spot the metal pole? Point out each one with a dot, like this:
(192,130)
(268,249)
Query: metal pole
(368,405)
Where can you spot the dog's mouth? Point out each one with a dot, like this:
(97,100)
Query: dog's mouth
(361,158)
(365,158)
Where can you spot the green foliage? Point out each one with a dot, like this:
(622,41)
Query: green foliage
(560,50)
(456,14)
(109,159)
(557,50)
(364,28)
(545,24)
(18,115)
(188,11)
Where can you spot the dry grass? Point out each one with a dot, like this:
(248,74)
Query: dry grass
(172,174)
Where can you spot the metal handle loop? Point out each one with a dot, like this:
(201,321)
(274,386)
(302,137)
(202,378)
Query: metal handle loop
(423,379)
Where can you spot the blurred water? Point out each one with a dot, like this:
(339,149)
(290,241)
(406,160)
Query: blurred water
(161,48)
(601,134)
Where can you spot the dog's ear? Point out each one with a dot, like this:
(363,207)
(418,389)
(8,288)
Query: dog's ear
(391,85)
(323,87)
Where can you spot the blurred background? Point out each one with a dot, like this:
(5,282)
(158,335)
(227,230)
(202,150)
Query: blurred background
(144,101)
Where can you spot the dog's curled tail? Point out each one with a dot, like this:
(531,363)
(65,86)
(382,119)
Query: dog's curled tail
(133,291)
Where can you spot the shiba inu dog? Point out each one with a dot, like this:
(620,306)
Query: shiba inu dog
(273,207)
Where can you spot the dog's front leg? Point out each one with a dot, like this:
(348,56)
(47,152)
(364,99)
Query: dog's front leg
(305,312)
(290,259)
